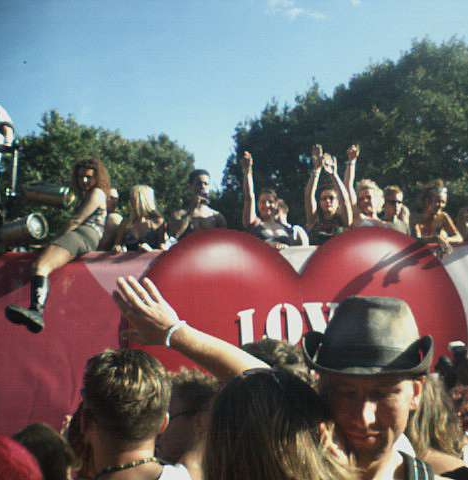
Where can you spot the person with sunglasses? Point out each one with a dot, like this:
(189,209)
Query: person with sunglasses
(395,212)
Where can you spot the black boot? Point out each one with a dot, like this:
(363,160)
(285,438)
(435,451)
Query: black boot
(32,318)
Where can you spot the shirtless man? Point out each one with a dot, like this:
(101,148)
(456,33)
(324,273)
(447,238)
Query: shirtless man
(199,215)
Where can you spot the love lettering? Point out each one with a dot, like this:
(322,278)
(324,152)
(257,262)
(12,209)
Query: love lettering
(316,314)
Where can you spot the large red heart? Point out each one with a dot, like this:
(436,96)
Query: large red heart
(211,277)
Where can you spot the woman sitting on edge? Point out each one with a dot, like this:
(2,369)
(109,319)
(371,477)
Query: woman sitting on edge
(436,226)
(145,230)
(91,181)
(265,226)
(334,213)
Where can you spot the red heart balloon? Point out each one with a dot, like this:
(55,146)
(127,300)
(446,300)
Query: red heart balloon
(236,287)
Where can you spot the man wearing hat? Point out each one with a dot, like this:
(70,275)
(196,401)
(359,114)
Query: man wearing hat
(372,363)
(371,359)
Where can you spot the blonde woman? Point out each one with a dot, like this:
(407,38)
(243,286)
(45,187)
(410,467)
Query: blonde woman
(145,230)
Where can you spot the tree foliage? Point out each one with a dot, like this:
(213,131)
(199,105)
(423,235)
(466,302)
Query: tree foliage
(49,156)
(410,118)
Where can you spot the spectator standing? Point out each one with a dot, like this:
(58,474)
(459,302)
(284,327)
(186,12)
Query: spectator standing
(266,225)
(395,212)
(126,397)
(436,225)
(299,234)
(333,214)
(184,439)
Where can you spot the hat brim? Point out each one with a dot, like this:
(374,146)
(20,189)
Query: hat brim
(312,342)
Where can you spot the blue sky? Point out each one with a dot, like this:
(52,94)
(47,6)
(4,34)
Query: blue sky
(193,69)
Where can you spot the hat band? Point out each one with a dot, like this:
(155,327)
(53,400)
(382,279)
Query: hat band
(370,356)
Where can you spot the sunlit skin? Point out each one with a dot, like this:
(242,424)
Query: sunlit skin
(368,203)
(267,206)
(86,179)
(436,203)
(329,203)
(393,205)
(372,412)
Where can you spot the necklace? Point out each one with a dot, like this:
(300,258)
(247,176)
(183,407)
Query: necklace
(125,466)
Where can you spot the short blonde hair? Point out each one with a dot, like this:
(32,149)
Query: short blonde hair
(367,184)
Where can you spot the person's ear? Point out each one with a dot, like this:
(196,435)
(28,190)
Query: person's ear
(164,424)
(418,388)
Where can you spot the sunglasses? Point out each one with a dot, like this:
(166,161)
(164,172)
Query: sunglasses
(273,373)
(394,202)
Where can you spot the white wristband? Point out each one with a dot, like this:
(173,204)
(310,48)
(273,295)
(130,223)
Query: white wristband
(172,330)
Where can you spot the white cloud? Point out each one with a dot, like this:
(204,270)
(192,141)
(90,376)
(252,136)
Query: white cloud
(291,10)
(356,3)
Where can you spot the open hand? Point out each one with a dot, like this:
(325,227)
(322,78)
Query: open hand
(353,152)
(149,315)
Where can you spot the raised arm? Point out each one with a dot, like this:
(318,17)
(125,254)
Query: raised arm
(310,203)
(350,173)
(249,217)
(345,210)
(96,199)
(154,320)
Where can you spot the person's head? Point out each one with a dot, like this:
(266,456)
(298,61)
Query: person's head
(435,423)
(52,451)
(393,201)
(266,424)
(283,210)
(112,200)
(16,462)
(90,173)
(268,204)
(126,396)
(142,202)
(435,197)
(371,361)
(370,198)
(280,354)
(82,449)
(199,182)
(328,202)
(192,393)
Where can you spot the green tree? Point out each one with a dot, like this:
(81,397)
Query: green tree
(49,156)
(410,117)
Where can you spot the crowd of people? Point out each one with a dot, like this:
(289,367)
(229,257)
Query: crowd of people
(358,401)
(329,210)
(354,403)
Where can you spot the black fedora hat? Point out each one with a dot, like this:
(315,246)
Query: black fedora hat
(370,336)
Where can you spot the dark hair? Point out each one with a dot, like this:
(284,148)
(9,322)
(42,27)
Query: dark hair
(280,354)
(195,388)
(269,191)
(197,173)
(102,175)
(126,393)
(51,450)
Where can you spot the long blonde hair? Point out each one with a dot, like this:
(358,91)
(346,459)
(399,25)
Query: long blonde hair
(144,203)
(435,423)
(265,425)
